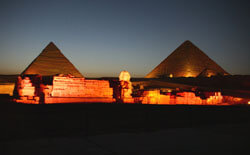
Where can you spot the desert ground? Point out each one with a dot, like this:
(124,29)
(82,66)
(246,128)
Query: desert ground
(124,129)
(128,129)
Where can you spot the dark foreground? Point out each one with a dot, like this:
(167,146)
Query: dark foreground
(123,129)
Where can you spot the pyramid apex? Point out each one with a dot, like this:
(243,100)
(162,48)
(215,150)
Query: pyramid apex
(187,42)
(51,43)
(51,47)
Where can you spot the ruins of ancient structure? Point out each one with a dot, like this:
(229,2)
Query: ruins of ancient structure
(62,89)
(52,78)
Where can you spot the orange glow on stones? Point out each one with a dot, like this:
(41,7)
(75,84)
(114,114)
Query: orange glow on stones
(154,97)
(190,74)
(64,89)
(153,94)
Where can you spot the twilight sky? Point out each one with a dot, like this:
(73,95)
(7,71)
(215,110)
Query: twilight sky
(104,37)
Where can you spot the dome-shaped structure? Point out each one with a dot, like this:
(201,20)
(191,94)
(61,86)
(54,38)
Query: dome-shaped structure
(186,61)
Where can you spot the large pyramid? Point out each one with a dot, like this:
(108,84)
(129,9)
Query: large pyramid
(186,61)
(51,62)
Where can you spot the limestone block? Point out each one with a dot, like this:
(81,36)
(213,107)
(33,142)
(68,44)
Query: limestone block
(30,98)
(7,88)
(36,98)
(30,91)
(23,98)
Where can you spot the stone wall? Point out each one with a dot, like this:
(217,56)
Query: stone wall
(79,87)
(26,91)
(211,98)
(7,88)
(64,89)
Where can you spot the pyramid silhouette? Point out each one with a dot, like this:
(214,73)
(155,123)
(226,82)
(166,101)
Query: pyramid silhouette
(186,61)
(51,62)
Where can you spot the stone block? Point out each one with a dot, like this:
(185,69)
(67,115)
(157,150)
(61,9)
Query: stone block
(30,97)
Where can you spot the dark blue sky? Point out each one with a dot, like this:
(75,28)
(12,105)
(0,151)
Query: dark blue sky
(104,37)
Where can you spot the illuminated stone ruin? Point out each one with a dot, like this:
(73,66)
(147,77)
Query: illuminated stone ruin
(7,88)
(63,89)
(26,91)
(69,89)
(189,98)
(37,89)
(126,87)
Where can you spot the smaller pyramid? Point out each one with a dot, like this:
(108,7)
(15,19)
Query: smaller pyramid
(186,61)
(51,62)
(208,73)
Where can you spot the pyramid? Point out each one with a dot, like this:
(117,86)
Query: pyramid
(208,73)
(51,62)
(186,61)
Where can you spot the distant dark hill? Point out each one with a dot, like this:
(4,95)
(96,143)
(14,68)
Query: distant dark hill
(8,78)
